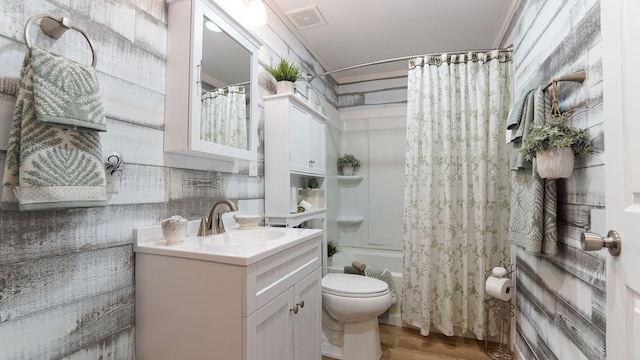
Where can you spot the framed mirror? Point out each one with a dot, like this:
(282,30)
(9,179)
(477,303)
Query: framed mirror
(222,84)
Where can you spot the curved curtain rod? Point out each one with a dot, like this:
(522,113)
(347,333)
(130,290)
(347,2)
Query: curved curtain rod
(310,77)
(56,29)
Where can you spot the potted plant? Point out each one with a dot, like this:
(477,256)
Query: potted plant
(348,163)
(332,249)
(554,145)
(285,73)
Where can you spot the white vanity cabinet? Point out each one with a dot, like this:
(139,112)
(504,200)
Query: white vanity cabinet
(287,327)
(189,307)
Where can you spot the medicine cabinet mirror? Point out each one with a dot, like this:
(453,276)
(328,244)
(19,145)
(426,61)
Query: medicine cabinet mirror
(211,95)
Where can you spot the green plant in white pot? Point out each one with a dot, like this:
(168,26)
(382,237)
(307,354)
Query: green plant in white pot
(285,73)
(554,145)
(348,163)
(332,249)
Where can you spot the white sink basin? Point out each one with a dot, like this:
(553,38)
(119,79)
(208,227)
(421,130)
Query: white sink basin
(242,247)
(253,235)
(241,239)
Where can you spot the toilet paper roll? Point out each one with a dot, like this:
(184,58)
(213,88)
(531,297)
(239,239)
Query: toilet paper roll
(499,288)
(306,205)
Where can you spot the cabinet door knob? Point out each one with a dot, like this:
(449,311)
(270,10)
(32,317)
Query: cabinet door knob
(294,309)
(301,303)
(593,242)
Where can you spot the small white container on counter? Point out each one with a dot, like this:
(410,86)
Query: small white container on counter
(174,230)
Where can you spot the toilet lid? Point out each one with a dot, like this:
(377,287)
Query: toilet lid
(350,285)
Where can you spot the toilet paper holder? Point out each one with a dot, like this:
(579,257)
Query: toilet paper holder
(502,311)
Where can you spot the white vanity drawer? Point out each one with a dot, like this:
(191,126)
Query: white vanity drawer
(270,277)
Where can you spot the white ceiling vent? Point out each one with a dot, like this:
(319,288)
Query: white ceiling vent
(306,18)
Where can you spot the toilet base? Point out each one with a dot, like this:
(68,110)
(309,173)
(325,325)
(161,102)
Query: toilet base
(361,342)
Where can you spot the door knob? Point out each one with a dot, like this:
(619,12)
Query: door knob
(593,242)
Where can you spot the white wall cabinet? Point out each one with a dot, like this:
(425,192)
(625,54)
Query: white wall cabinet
(197,62)
(306,142)
(295,150)
(196,309)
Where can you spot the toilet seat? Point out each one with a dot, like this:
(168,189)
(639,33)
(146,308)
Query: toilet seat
(353,286)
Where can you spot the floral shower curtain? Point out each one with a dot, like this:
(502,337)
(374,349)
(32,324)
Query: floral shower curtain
(224,117)
(456,211)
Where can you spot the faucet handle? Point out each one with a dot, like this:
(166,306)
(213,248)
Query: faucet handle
(202,231)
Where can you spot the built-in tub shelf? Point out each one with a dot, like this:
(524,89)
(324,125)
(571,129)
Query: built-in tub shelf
(350,220)
(350,179)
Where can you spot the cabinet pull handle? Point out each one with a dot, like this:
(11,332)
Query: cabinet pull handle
(294,309)
(301,303)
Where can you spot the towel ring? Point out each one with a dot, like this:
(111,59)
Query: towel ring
(54,27)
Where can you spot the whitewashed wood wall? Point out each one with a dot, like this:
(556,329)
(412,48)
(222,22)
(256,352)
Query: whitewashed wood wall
(66,277)
(561,300)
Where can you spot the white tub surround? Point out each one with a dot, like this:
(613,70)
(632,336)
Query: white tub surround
(244,294)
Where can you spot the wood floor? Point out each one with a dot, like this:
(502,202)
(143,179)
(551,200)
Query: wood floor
(407,344)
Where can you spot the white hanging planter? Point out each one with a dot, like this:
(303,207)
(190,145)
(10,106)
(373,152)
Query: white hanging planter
(556,163)
(284,87)
(348,170)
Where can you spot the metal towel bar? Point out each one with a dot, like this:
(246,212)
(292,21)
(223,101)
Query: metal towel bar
(54,27)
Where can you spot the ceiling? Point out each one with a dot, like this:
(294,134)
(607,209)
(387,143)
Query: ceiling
(364,31)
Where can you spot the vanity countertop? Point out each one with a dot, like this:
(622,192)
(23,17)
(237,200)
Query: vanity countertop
(236,247)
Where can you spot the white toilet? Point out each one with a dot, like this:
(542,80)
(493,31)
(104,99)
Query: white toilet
(351,305)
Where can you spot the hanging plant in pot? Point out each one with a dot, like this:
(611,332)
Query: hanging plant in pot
(348,163)
(286,73)
(553,145)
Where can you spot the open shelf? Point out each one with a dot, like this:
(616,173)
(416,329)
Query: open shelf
(295,219)
(350,179)
(350,220)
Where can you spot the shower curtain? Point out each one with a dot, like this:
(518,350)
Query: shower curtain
(224,117)
(456,212)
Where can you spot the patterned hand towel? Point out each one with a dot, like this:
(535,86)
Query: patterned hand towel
(49,167)
(66,93)
(515,115)
(518,160)
(384,275)
(533,218)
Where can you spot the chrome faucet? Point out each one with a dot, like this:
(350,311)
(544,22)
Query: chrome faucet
(214,222)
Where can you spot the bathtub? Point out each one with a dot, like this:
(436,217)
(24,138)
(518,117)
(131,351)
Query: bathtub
(383,259)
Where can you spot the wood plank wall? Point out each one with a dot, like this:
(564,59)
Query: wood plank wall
(66,277)
(561,300)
